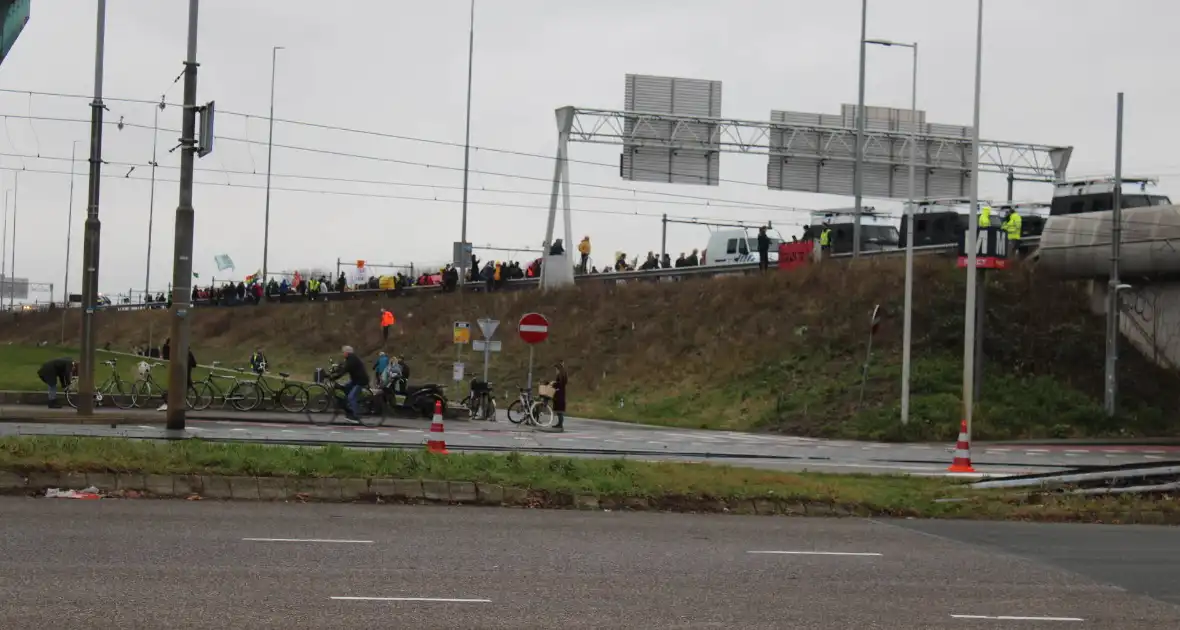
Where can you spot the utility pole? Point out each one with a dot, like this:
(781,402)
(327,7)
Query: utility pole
(4,251)
(69,227)
(12,265)
(93,228)
(147,274)
(463,264)
(858,164)
(1116,237)
(182,266)
(270,147)
(972,238)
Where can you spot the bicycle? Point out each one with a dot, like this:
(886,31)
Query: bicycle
(371,407)
(537,412)
(146,390)
(292,397)
(319,398)
(121,393)
(203,393)
(481,401)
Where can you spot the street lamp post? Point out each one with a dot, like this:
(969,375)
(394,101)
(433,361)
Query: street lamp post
(147,274)
(907,331)
(12,250)
(972,236)
(274,52)
(4,251)
(69,226)
(467,145)
(858,163)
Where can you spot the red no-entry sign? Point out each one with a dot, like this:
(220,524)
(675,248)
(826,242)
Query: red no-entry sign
(533,328)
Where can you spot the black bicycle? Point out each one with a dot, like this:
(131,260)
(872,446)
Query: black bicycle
(481,401)
(370,405)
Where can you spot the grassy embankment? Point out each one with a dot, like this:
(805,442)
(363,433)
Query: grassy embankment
(781,352)
(554,481)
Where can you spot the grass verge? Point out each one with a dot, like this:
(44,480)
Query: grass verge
(671,486)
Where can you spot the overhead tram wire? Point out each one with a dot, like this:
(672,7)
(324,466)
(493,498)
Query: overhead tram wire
(391,136)
(444,167)
(1097,232)
(378,196)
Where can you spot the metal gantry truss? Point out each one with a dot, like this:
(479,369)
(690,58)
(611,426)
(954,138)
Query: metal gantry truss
(1033,162)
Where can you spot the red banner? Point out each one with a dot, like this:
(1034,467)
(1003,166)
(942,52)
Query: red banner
(796,254)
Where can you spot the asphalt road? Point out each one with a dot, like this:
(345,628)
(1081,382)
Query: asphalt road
(172,564)
(600,438)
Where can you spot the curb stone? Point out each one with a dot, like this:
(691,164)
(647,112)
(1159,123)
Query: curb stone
(245,488)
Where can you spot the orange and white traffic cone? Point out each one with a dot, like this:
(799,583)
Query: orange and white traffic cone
(435,442)
(962,461)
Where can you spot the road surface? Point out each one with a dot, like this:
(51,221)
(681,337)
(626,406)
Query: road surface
(184,565)
(600,438)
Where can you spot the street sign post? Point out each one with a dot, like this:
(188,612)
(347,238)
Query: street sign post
(461,334)
(533,329)
(487,327)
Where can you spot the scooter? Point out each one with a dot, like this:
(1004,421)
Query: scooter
(415,399)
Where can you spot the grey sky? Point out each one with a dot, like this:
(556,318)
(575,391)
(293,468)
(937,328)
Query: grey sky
(1051,71)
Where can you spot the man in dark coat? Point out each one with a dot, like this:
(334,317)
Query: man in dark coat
(561,379)
(55,371)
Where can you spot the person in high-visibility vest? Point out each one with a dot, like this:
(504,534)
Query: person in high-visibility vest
(985,216)
(584,250)
(386,321)
(825,241)
(1013,225)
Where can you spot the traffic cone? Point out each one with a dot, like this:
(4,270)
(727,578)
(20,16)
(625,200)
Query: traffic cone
(435,442)
(962,461)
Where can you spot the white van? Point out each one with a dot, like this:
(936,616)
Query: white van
(731,247)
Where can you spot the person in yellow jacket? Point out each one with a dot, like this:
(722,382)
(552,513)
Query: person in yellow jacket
(1013,225)
(985,216)
(584,250)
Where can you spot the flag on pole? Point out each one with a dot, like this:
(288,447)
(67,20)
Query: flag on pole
(196,275)
(223,262)
(254,277)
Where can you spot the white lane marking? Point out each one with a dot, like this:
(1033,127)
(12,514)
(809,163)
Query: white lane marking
(1152,457)
(1038,450)
(1010,618)
(239,429)
(1155,452)
(144,426)
(409,430)
(1077,450)
(816,553)
(286,431)
(453,600)
(1115,450)
(309,540)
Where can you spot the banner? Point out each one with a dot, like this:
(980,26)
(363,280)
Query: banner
(223,262)
(795,255)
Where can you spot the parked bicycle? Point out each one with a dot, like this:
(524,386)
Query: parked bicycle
(204,393)
(247,395)
(119,391)
(146,392)
(532,411)
(481,401)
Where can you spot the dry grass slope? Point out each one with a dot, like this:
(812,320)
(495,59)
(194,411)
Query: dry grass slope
(781,352)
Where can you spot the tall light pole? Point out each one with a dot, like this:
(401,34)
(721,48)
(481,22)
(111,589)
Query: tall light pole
(467,142)
(1115,285)
(858,164)
(69,225)
(93,231)
(907,328)
(270,148)
(972,238)
(12,250)
(4,252)
(147,274)
(182,265)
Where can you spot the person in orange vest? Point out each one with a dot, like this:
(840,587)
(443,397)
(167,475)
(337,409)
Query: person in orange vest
(386,321)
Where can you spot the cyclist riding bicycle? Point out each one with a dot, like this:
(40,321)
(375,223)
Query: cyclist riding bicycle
(358,377)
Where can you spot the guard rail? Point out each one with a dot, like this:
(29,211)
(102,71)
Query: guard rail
(616,277)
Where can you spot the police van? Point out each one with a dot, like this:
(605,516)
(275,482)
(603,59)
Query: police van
(738,246)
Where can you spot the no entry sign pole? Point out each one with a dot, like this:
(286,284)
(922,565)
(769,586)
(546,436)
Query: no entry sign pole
(533,329)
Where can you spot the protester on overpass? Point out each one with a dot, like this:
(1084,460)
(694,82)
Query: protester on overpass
(666,261)
(1013,226)
(693,259)
(557,249)
(584,250)
(54,372)
(763,249)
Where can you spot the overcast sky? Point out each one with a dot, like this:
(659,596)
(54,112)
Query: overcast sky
(1051,72)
